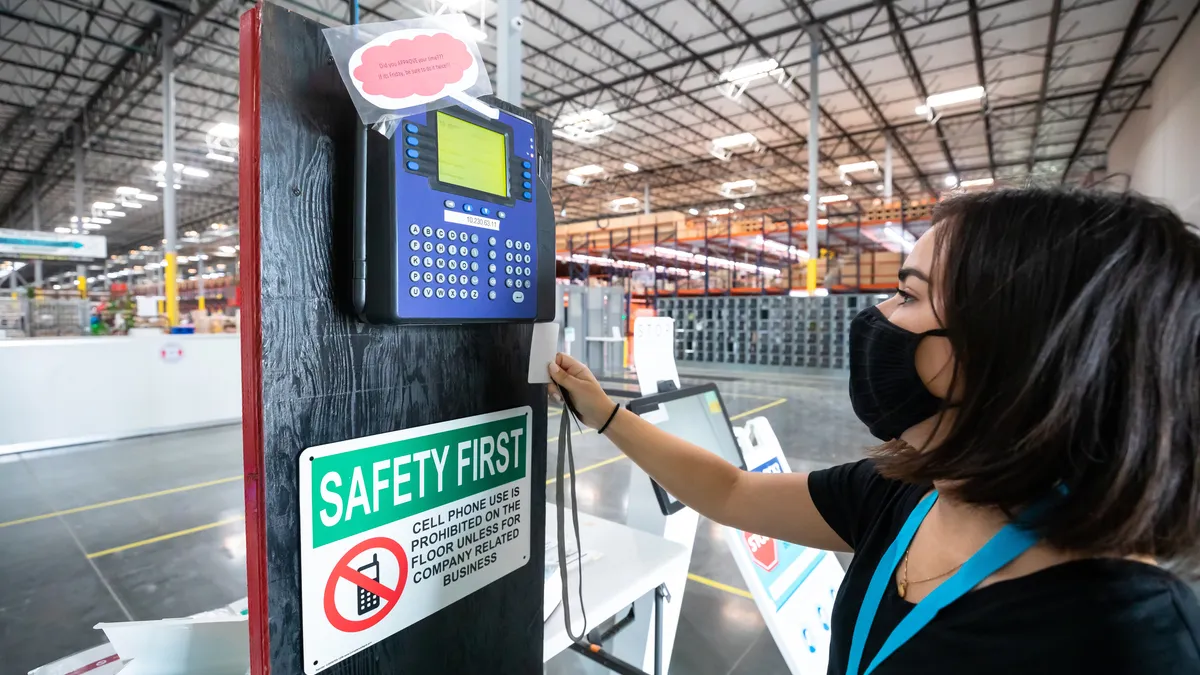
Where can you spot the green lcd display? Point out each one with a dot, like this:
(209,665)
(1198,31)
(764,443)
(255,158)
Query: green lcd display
(471,156)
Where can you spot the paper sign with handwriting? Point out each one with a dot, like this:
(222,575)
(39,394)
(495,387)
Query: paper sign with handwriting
(406,68)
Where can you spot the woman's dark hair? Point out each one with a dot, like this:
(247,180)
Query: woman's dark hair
(1074,318)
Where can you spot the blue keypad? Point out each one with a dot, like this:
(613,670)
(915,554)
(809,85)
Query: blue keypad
(429,280)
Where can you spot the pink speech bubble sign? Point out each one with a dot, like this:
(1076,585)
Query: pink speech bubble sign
(423,65)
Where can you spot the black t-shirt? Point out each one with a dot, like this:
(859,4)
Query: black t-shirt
(1086,616)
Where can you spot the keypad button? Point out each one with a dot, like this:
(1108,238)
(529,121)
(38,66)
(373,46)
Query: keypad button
(492,268)
(491,295)
(526,164)
(474,252)
(412,140)
(501,215)
(412,153)
(468,208)
(508,269)
(449,203)
(428,292)
(526,174)
(410,128)
(509,283)
(453,264)
(428,261)
(428,247)
(474,239)
(441,263)
(508,243)
(441,292)
(453,235)
(474,294)
(415,260)
(491,281)
(508,256)
(528,246)
(428,231)
(491,241)
(441,248)
(413,166)
(414,276)
(414,245)
(527,195)
(474,280)
(414,229)
(527,185)
(491,255)
(414,291)
(474,267)
(453,249)
(518,296)
(441,233)
(485,211)
(428,277)
(453,293)
(441,277)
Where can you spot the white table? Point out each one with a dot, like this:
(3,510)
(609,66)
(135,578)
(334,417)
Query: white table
(630,564)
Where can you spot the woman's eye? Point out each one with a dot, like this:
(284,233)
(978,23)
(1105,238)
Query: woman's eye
(905,298)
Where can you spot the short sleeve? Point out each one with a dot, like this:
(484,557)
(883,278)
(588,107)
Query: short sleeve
(853,497)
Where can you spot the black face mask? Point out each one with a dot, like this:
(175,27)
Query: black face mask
(885,389)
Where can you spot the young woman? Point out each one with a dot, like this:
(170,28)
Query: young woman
(1036,383)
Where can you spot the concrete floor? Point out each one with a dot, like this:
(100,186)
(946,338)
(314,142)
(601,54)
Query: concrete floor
(152,527)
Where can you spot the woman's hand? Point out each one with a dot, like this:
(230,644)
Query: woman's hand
(592,404)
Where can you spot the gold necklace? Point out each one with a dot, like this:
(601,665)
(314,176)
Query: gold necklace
(902,585)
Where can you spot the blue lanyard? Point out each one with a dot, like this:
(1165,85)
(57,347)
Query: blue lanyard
(1001,549)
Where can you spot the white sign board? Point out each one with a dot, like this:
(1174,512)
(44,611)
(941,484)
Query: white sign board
(794,586)
(654,352)
(397,526)
(51,245)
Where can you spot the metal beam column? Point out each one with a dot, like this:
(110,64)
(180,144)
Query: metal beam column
(170,271)
(887,169)
(814,145)
(37,227)
(508,51)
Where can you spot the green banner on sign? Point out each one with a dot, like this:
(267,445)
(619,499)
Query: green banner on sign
(363,488)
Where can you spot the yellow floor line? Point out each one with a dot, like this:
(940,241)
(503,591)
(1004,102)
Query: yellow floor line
(586,469)
(741,593)
(761,397)
(165,537)
(759,409)
(124,500)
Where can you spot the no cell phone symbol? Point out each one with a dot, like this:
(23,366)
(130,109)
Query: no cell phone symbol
(374,598)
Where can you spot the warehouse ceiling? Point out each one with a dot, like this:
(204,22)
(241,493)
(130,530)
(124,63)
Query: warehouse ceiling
(704,101)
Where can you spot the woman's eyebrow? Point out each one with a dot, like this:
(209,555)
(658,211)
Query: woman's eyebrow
(906,272)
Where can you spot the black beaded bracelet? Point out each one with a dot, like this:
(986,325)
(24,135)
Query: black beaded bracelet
(610,419)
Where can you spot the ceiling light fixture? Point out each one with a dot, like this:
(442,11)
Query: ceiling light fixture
(694,212)
(871,166)
(588,170)
(720,212)
(131,205)
(738,188)
(749,71)
(978,182)
(224,130)
(218,157)
(723,147)
(575,179)
(103,205)
(91,226)
(147,197)
(739,206)
(949,98)
(127,191)
(624,204)
(951,180)
(115,214)
(829,199)
(195,172)
(631,167)
(63,230)
(102,221)
(584,126)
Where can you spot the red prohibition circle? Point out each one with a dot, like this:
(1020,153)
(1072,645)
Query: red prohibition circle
(343,570)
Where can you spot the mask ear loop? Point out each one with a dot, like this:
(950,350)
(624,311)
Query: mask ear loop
(566,452)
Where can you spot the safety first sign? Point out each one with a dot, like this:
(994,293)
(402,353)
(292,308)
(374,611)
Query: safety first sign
(397,526)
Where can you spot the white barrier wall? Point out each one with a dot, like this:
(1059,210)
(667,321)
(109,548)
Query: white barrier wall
(65,391)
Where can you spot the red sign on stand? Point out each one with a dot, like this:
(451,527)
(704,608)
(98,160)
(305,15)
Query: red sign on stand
(762,550)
